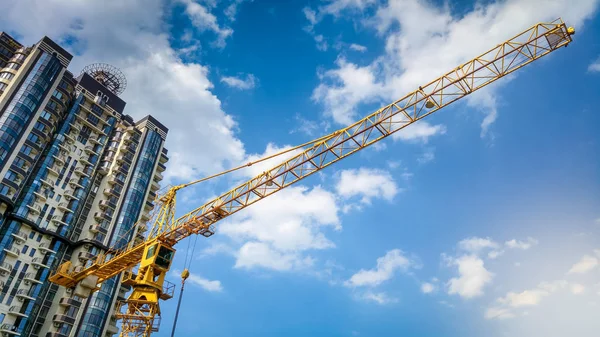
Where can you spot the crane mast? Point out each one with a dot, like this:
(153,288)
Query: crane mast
(153,257)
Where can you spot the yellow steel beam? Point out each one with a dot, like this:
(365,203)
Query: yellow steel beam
(524,48)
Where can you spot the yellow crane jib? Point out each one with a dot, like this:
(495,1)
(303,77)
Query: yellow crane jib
(154,256)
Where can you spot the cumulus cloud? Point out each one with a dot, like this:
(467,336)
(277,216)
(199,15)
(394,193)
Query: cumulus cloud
(504,307)
(427,287)
(584,265)
(472,276)
(204,20)
(240,83)
(358,47)
(378,297)
(367,184)
(594,66)
(392,261)
(197,280)
(422,42)
(476,244)
(523,245)
(420,131)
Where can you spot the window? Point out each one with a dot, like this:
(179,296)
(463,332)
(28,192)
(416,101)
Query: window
(32,252)
(31,234)
(10,175)
(24,250)
(34,138)
(7,76)
(57,94)
(4,189)
(19,162)
(26,150)
(40,127)
(39,237)
(46,115)
(58,197)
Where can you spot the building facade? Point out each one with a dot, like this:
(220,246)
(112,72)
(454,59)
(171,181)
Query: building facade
(77,176)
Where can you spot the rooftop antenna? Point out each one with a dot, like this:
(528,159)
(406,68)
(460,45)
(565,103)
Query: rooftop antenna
(110,77)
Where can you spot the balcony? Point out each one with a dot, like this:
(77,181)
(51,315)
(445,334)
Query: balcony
(34,209)
(82,172)
(104,204)
(98,229)
(30,277)
(24,294)
(53,170)
(69,195)
(84,161)
(14,310)
(63,319)
(112,329)
(154,186)
(74,183)
(9,330)
(47,182)
(84,256)
(5,268)
(63,206)
(109,192)
(58,221)
(149,205)
(45,248)
(158,176)
(60,158)
(67,302)
(20,237)
(12,252)
(93,140)
(70,139)
(161,167)
(39,262)
(55,334)
(40,197)
(163,158)
(90,150)
(104,167)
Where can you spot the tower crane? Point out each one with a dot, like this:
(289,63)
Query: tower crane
(153,256)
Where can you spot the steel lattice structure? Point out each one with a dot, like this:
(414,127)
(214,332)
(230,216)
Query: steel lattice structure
(505,58)
(110,77)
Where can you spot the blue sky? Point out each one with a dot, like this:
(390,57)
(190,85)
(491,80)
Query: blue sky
(480,220)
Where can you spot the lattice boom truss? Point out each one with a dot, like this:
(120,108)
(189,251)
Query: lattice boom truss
(500,61)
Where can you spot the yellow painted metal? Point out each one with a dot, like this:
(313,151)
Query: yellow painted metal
(505,58)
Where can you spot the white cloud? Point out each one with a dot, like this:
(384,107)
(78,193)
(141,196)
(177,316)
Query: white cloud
(367,184)
(355,85)
(427,156)
(386,266)
(577,288)
(504,307)
(494,254)
(476,244)
(594,67)
(423,41)
(239,83)
(473,277)
(420,131)
(524,245)
(260,254)
(208,285)
(378,297)
(498,313)
(232,10)
(132,35)
(427,287)
(358,47)
(584,265)
(204,20)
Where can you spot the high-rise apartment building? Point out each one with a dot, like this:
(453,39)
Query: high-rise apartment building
(76,176)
